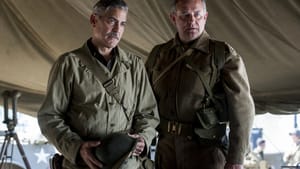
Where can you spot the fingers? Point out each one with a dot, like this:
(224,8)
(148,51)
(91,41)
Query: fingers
(87,155)
(134,135)
(92,162)
(139,148)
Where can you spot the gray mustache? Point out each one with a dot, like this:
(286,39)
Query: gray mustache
(113,34)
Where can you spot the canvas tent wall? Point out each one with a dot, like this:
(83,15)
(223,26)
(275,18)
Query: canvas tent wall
(34,33)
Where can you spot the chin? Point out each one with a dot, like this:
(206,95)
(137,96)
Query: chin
(112,44)
(191,38)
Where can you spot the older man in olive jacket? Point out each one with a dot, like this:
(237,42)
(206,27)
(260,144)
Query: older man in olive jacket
(97,90)
(189,73)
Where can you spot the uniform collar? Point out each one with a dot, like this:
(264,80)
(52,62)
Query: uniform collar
(201,43)
(122,60)
(94,51)
(119,53)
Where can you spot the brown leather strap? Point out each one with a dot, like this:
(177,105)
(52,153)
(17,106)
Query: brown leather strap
(163,73)
(167,127)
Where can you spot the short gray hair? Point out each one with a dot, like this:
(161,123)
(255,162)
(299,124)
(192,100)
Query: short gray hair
(173,9)
(103,6)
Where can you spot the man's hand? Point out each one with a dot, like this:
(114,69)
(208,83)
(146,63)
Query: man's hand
(88,157)
(233,166)
(139,148)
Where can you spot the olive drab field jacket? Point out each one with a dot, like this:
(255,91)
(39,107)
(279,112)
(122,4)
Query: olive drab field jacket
(180,92)
(78,108)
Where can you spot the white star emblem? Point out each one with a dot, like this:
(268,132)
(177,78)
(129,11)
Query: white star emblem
(42,156)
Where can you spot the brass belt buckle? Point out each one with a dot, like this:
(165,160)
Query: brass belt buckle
(174,127)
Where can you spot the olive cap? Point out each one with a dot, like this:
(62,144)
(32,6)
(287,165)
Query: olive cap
(113,148)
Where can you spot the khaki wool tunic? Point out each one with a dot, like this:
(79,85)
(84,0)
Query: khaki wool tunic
(78,108)
(180,94)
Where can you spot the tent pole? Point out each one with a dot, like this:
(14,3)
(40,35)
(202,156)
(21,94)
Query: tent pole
(295,121)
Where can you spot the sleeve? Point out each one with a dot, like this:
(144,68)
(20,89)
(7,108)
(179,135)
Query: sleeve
(240,106)
(52,114)
(146,116)
(151,61)
(297,156)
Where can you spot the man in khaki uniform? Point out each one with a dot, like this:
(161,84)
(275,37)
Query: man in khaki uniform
(292,158)
(97,90)
(192,134)
(255,159)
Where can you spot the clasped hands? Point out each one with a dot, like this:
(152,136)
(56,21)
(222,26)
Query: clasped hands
(90,160)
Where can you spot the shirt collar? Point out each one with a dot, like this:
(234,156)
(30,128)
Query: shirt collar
(201,43)
(95,53)
(122,59)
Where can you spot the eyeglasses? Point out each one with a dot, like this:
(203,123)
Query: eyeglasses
(185,15)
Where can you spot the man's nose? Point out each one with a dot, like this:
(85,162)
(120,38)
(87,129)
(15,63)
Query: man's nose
(116,27)
(192,18)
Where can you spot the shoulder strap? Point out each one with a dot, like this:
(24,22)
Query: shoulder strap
(217,49)
(205,83)
(107,82)
(163,73)
(219,53)
(218,60)
(202,79)
(90,64)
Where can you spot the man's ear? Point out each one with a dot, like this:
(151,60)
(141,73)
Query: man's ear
(205,16)
(93,19)
(173,18)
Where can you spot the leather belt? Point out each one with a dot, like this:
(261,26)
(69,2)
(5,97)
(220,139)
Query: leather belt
(188,129)
(175,128)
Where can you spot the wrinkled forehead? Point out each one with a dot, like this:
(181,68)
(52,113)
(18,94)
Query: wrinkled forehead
(189,5)
(116,13)
(115,10)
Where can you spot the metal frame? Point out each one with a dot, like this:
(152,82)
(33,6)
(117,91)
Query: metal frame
(10,134)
